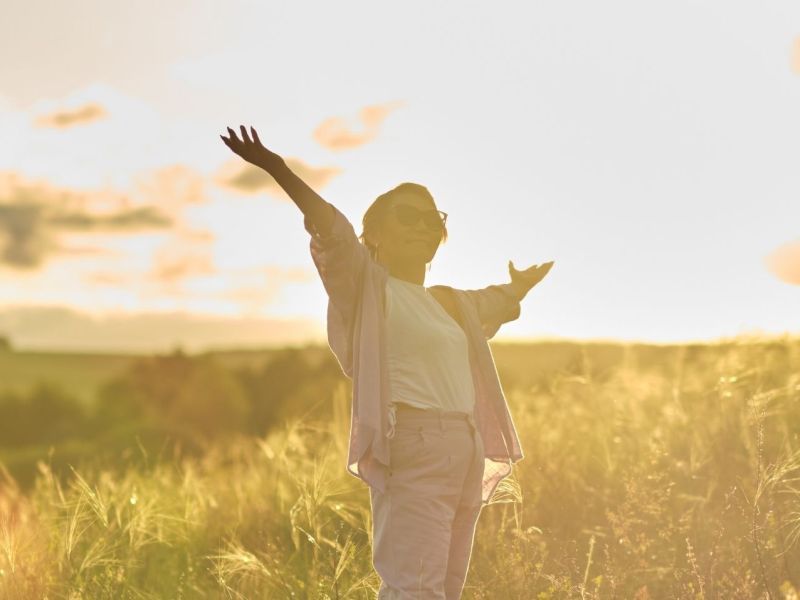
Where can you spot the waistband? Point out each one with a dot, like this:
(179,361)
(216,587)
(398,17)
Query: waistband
(425,415)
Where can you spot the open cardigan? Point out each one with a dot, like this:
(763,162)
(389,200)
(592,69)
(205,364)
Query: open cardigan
(356,288)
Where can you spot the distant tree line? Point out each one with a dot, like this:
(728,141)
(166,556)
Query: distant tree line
(190,400)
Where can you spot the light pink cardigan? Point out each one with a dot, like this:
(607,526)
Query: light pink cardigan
(356,287)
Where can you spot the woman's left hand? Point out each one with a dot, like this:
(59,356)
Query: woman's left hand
(524,280)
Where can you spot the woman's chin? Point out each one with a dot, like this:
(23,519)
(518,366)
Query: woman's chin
(425,256)
(418,258)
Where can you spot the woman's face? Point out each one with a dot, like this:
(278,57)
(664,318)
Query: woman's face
(415,243)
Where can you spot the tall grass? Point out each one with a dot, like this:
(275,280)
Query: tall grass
(676,478)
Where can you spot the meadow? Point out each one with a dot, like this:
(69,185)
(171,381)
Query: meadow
(650,472)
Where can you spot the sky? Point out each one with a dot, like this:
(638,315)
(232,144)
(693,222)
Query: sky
(649,149)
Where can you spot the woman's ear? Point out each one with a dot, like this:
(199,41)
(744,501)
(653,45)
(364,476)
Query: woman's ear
(371,239)
(375,234)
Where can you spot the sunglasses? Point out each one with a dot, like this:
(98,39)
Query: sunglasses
(409,215)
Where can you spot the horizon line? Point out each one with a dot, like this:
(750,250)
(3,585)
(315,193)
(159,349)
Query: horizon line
(744,337)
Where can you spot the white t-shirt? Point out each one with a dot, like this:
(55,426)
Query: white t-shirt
(428,356)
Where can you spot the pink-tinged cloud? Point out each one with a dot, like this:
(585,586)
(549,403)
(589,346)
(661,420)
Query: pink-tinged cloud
(186,253)
(245,178)
(335,133)
(109,278)
(261,287)
(62,119)
(167,273)
(171,188)
(183,257)
(796,55)
(784,262)
(183,276)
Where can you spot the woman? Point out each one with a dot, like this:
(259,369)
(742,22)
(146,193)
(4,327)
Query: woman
(430,431)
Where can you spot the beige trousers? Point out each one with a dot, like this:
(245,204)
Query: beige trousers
(424,524)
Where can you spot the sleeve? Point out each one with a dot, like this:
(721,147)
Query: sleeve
(495,305)
(340,260)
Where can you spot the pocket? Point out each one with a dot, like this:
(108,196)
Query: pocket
(412,446)
(404,447)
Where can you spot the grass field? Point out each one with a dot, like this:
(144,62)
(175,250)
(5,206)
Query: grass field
(649,472)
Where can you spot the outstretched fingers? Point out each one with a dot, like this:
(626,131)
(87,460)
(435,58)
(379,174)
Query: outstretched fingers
(231,140)
(539,271)
(245,136)
(541,268)
(249,147)
(533,273)
(255,135)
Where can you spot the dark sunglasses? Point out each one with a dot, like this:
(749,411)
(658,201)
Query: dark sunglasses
(409,215)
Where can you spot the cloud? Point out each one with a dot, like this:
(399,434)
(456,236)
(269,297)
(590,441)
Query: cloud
(33,214)
(145,217)
(87,113)
(61,328)
(110,278)
(183,254)
(249,179)
(253,289)
(184,275)
(170,268)
(171,188)
(796,55)
(191,278)
(784,262)
(23,236)
(183,257)
(335,133)
(134,139)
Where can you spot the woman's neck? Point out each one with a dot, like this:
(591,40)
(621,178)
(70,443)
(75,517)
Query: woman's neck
(413,273)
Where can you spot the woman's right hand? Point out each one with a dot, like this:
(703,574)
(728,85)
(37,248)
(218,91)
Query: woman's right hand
(253,150)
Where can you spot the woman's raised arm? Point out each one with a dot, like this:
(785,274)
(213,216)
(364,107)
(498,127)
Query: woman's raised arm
(338,255)
(315,209)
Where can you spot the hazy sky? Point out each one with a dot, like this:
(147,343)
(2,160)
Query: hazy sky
(650,149)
